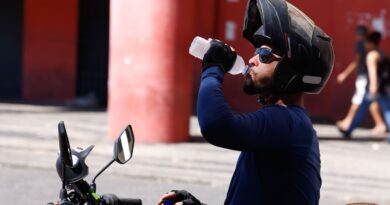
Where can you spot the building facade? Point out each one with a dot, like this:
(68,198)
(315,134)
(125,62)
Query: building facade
(53,51)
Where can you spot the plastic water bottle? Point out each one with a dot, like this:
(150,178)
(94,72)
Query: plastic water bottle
(200,46)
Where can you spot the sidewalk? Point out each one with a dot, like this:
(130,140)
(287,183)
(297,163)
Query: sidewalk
(357,169)
(29,138)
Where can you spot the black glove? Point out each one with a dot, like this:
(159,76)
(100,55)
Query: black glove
(185,197)
(219,54)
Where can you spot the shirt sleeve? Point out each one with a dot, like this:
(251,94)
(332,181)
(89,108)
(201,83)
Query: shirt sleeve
(359,49)
(221,126)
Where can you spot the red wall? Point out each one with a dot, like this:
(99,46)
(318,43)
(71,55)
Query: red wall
(205,26)
(50,49)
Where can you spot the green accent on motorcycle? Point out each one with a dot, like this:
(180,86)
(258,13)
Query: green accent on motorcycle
(95,196)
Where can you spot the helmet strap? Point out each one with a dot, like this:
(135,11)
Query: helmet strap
(270,100)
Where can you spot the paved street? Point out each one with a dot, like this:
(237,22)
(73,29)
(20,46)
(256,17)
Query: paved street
(354,170)
(39,186)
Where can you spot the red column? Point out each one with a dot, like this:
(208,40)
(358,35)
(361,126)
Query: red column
(150,70)
(50,49)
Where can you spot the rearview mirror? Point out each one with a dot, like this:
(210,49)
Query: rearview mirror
(124,144)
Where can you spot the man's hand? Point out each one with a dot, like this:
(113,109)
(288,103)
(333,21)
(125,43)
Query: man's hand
(168,196)
(341,78)
(220,54)
(181,197)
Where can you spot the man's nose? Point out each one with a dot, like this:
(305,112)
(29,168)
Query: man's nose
(254,61)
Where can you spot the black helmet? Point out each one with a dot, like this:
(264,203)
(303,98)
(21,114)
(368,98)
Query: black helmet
(307,52)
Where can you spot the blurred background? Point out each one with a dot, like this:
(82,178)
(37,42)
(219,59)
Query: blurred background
(104,64)
(111,54)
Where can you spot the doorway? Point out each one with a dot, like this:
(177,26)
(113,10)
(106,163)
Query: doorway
(92,72)
(11,24)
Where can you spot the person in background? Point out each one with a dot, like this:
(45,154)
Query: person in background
(279,160)
(378,89)
(359,64)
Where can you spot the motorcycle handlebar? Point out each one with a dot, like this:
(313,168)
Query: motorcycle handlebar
(111,199)
(129,202)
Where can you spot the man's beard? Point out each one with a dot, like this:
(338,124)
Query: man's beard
(251,88)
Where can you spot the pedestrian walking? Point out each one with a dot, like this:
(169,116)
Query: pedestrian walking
(359,65)
(378,89)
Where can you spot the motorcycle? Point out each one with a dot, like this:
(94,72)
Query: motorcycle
(72,170)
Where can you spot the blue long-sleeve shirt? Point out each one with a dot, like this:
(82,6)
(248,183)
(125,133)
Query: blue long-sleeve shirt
(279,161)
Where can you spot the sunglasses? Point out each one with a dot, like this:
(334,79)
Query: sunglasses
(266,55)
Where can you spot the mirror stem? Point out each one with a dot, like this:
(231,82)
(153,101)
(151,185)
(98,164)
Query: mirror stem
(104,168)
(63,193)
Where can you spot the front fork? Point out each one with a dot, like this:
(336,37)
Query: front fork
(86,192)
(81,193)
